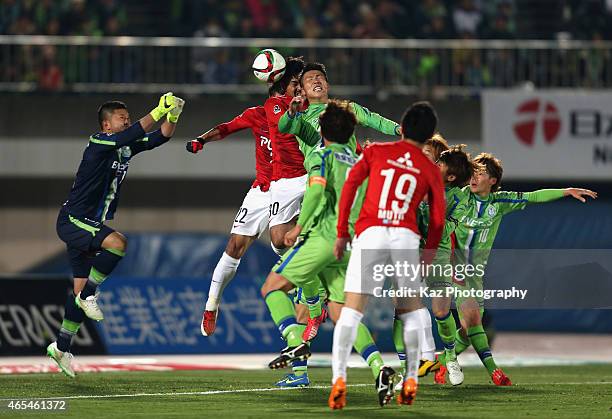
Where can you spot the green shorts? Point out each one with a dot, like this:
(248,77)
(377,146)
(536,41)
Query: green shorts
(311,264)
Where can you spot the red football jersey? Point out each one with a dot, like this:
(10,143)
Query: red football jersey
(400,176)
(287,159)
(255,119)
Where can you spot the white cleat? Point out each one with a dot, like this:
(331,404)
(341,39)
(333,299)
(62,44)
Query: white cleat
(455,373)
(90,307)
(62,359)
(400,384)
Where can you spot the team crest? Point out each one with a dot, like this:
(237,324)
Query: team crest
(491,211)
(126,152)
(276,109)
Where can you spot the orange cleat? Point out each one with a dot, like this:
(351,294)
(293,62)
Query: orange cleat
(440,375)
(209,322)
(408,393)
(500,378)
(337,397)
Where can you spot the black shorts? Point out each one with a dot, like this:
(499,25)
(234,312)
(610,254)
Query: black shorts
(83,239)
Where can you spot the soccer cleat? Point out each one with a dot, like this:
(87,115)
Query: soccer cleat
(426,366)
(500,378)
(313,326)
(337,397)
(384,384)
(440,375)
(408,393)
(90,306)
(292,380)
(62,359)
(209,322)
(289,354)
(455,373)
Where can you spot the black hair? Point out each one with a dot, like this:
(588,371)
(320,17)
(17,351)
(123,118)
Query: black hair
(419,122)
(293,68)
(338,122)
(106,110)
(311,67)
(459,164)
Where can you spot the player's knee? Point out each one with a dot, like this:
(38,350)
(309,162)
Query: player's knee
(237,246)
(115,241)
(278,241)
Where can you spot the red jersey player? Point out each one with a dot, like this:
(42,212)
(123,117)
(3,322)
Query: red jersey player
(288,174)
(386,243)
(252,217)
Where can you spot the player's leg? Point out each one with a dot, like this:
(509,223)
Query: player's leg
(110,246)
(285,204)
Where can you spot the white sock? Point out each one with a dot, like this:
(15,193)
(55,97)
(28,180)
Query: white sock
(428,345)
(278,251)
(412,338)
(345,333)
(224,272)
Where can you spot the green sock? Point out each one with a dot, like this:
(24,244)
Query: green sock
(447,328)
(283,313)
(461,344)
(313,300)
(480,342)
(398,341)
(300,367)
(364,344)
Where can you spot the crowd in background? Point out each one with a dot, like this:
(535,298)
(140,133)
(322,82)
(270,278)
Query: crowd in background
(400,19)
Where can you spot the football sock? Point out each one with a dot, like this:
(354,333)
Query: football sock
(398,341)
(103,265)
(283,313)
(461,344)
(73,317)
(428,344)
(222,275)
(447,328)
(480,342)
(345,334)
(300,367)
(413,331)
(364,344)
(313,300)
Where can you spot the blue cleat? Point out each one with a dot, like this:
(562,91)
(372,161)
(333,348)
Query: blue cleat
(292,380)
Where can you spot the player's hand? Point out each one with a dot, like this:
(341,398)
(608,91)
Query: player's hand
(194,146)
(340,247)
(580,193)
(296,104)
(292,235)
(174,113)
(166,103)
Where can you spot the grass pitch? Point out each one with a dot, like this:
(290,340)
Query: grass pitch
(569,391)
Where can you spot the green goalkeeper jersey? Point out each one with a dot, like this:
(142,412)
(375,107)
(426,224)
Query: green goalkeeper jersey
(327,170)
(478,225)
(296,125)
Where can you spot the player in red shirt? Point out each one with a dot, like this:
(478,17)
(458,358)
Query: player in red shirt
(288,181)
(386,243)
(253,215)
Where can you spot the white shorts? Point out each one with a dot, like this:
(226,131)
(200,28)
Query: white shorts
(382,246)
(253,215)
(286,199)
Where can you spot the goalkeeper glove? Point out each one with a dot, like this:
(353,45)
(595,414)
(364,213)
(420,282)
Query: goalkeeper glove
(175,112)
(166,103)
(194,146)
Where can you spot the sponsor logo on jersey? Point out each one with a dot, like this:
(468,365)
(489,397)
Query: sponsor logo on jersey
(404,162)
(345,158)
(120,167)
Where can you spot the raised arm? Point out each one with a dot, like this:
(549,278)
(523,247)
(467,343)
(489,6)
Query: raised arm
(221,131)
(373,120)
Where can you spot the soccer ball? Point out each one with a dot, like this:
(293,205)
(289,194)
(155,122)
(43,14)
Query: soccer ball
(269,65)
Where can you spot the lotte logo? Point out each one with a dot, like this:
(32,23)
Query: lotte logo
(533,114)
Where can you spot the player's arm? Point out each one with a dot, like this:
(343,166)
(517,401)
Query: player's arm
(437,215)
(313,202)
(357,175)
(375,121)
(292,122)
(137,130)
(219,132)
(514,201)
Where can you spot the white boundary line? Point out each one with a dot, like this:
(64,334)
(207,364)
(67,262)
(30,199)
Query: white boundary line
(255,390)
